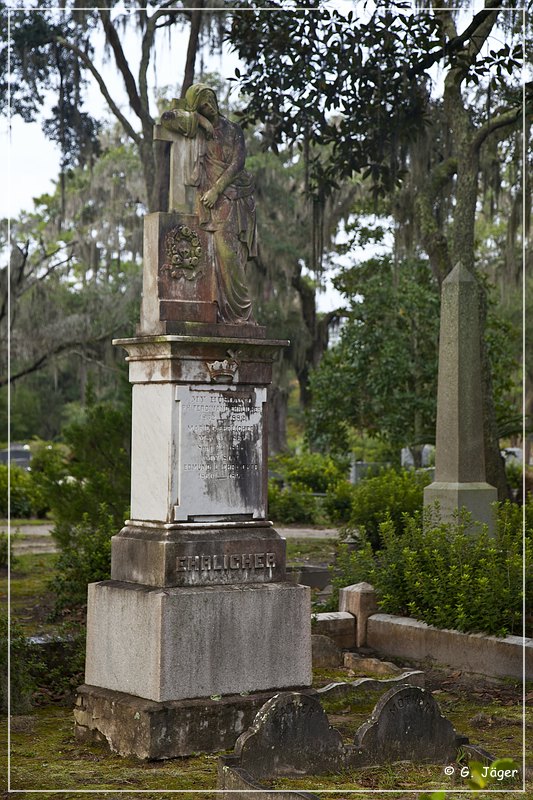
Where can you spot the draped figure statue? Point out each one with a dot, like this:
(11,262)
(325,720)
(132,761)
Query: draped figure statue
(225,194)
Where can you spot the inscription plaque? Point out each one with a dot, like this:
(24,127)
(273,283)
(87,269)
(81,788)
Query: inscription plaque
(222,454)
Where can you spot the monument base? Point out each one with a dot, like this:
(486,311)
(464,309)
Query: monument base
(197,641)
(477,498)
(135,727)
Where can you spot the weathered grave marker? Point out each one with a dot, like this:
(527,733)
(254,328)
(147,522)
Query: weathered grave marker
(197,626)
(406,725)
(291,736)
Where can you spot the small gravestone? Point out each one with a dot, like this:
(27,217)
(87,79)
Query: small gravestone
(291,735)
(406,725)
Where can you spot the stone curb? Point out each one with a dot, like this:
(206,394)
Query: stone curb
(403,637)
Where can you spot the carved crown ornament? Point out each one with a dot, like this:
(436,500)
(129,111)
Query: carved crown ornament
(222,371)
(183,252)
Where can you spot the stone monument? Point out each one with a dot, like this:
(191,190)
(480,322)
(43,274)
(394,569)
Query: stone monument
(459,456)
(198,626)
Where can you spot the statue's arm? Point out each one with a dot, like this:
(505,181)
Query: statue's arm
(236,165)
(180,121)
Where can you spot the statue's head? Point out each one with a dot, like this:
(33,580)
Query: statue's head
(200,97)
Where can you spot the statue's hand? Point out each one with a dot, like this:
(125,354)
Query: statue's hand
(206,125)
(209,198)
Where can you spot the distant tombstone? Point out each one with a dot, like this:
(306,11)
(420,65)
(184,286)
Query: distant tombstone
(291,735)
(406,725)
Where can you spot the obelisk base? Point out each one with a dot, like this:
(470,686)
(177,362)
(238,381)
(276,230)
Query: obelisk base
(155,731)
(477,498)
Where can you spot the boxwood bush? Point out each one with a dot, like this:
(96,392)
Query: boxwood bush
(448,574)
(389,495)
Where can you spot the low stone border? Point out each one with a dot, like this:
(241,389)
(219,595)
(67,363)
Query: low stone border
(472,652)
(403,637)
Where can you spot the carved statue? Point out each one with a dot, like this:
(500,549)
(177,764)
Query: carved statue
(225,199)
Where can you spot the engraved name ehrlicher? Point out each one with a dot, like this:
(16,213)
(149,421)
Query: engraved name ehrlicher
(204,563)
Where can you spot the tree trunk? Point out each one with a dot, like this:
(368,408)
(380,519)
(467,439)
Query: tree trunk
(277,419)
(463,250)
(192,48)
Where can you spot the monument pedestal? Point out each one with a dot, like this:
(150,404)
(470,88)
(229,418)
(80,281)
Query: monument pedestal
(199,641)
(198,626)
(477,498)
(155,731)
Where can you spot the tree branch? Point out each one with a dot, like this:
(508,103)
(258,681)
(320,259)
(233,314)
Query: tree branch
(103,88)
(147,42)
(456,42)
(192,47)
(123,67)
(503,121)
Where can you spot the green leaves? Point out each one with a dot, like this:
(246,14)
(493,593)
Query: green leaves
(444,574)
(382,376)
(321,61)
(483,775)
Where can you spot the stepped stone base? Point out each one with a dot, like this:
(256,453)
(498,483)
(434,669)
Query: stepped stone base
(155,731)
(193,642)
(476,497)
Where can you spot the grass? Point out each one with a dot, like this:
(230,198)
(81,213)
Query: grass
(310,551)
(46,755)
(31,600)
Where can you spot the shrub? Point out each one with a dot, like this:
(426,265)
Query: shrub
(93,467)
(84,559)
(294,503)
(389,495)
(338,501)
(301,477)
(513,473)
(446,574)
(20,492)
(22,682)
(58,667)
(4,550)
(313,470)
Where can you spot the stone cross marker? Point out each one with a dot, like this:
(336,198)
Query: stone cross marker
(183,158)
(459,457)
(198,606)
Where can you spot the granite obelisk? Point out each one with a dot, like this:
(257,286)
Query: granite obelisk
(459,457)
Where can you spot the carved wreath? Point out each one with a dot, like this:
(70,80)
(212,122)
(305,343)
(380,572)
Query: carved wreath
(183,252)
